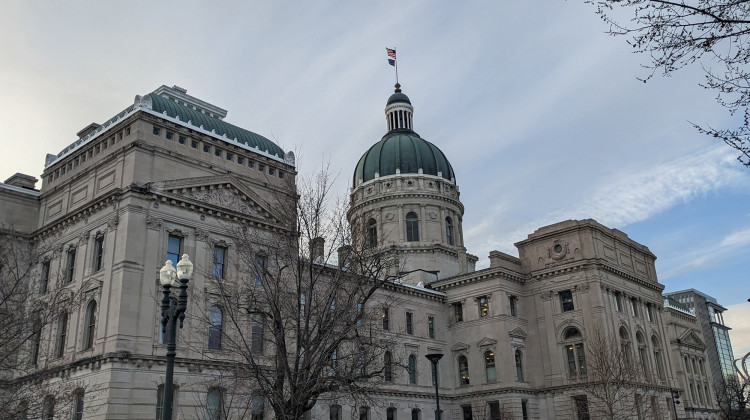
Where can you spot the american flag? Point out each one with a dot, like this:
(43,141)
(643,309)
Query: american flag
(391,53)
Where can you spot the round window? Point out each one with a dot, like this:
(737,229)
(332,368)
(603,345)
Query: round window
(558,248)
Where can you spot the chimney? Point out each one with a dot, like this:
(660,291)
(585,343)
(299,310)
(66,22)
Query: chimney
(20,180)
(345,253)
(317,249)
(495,258)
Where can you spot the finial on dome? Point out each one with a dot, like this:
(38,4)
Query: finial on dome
(398,88)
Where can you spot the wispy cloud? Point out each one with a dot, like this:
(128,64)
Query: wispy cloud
(709,253)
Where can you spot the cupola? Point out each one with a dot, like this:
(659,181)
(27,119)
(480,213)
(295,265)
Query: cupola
(398,111)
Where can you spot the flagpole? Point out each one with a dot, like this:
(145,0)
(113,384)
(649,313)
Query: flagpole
(396,61)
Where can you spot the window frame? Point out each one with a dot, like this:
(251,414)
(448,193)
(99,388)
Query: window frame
(464,379)
(566,301)
(483,304)
(490,366)
(171,256)
(449,239)
(90,325)
(458,311)
(411,223)
(98,253)
(409,323)
(62,335)
(70,265)
(215,330)
(218,410)
(219,255)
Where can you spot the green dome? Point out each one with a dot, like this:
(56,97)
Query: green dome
(398,97)
(403,150)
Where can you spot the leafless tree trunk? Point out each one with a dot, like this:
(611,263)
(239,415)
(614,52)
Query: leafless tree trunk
(301,318)
(679,33)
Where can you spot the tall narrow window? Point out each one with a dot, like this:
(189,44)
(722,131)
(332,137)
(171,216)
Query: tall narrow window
(519,366)
(581,405)
(642,356)
(390,413)
(215,404)
(458,311)
(48,408)
(484,306)
(657,357)
(575,355)
(364,413)
(431,326)
(257,406)
(650,312)
(463,370)
(62,333)
(412,227)
(78,405)
(70,265)
(218,268)
(98,252)
(215,327)
(44,280)
(412,369)
(566,300)
(334,412)
(467,414)
(634,307)
(618,301)
(36,340)
(489,366)
(372,233)
(88,339)
(524,410)
(625,346)
(387,367)
(174,247)
(259,266)
(416,414)
(494,410)
(386,319)
(449,231)
(409,323)
(513,300)
(256,341)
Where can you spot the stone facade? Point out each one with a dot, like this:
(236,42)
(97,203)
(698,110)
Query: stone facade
(514,336)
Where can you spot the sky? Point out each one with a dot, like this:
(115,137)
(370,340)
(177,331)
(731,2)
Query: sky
(541,114)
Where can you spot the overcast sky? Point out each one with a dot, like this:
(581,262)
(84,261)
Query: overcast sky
(540,112)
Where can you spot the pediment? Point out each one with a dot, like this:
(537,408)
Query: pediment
(220,195)
(486,342)
(691,339)
(517,333)
(460,346)
(91,286)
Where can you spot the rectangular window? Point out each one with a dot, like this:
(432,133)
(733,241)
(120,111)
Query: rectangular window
(364,413)
(409,323)
(576,358)
(70,267)
(431,326)
(62,333)
(650,312)
(334,412)
(219,255)
(386,319)
(618,302)
(458,312)
(390,414)
(524,409)
(256,342)
(98,252)
(581,405)
(240,160)
(466,410)
(484,306)
(494,410)
(206,148)
(634,307)
(260,268)
(566,300)
(174,247)
(44,281)
(513,300)
(416,414)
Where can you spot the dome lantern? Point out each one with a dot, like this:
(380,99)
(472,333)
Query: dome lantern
(398,111)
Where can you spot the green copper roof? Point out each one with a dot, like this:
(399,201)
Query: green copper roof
(209,123)
(398,97)
(403,150)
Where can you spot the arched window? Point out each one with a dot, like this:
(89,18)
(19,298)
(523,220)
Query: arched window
(449,230)
(257,406)
(412,369)
(62,333)
(372,233)
(48,408)
(625,346)
(334,412)
(215,327)
(387,367)
(88,335)
(575,355)
(657,357)
(78,404)
(489,366)
(519,366)
(412,227)
(642,356)
(215,404)
(463,370)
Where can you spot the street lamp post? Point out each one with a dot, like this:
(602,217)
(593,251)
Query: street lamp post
(169,277)
(434,358)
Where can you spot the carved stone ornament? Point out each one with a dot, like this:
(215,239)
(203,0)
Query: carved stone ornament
(153,223)
(459,347)
(83,238)
(143,102)
(558,251)
(546,295)
(432,215)
(518,333)
(486,342)
(222,198)
(389,216)
(113,222)
(202,235)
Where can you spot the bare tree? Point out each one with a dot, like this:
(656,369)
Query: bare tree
(27,315)
(714,34)
(300,317)
(616,386)
(731,397)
